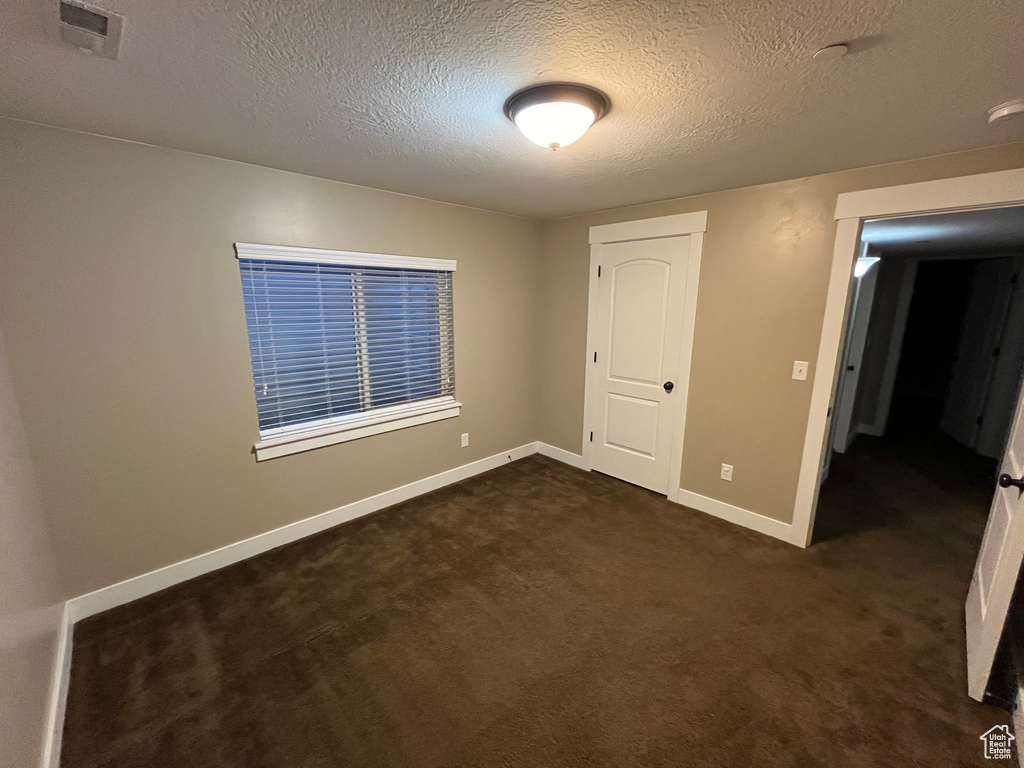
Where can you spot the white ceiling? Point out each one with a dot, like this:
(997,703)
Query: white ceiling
(998,230)
(407,95)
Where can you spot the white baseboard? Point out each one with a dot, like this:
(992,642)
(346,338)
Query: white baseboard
(126,591)
(739,516)
(58,698)
(162,578)
(83,606)
(562,455)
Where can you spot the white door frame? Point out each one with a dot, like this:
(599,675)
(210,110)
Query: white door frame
(694,225)
(892,358)
(985,190)
(846,428)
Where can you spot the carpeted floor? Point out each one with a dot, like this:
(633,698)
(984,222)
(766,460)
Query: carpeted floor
(542,616)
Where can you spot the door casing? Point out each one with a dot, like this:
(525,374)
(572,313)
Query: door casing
(984,190)
(861,302)
(694,225)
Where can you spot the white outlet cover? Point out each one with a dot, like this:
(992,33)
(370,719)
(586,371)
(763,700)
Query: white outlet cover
(465,439)
(727,472)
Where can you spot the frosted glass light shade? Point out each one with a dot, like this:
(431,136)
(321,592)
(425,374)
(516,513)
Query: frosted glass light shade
(556,114)
(555,124)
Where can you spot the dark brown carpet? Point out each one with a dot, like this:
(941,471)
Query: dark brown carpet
(542,616)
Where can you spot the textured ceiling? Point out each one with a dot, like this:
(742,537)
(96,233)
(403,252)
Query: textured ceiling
(407,95)
(998,230)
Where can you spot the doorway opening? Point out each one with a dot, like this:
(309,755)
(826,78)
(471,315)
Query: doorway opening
(1001,550)
(927,433)
(931,367)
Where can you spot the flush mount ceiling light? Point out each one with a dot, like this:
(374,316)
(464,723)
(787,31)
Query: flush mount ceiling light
(1006,109)
(556,114)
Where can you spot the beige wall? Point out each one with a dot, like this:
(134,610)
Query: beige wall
(763,280)
(30,592)
(122,307)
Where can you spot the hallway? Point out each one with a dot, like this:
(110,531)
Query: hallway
(916,481)
(913,507)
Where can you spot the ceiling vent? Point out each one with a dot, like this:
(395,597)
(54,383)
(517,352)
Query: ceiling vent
(90,29)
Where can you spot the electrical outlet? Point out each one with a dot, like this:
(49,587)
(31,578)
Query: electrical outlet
(800,370)
(465,439)
(727,472)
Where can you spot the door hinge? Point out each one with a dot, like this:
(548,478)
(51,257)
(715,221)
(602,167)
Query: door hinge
(598,270)
(591,437)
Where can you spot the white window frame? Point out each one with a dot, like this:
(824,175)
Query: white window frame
(340,429)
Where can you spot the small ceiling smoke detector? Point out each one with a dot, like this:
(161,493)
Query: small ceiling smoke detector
(555,115)
(1012,108)
(831,52)
(90,29)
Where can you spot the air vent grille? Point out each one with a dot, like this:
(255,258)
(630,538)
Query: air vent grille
(88,28)
(83,18)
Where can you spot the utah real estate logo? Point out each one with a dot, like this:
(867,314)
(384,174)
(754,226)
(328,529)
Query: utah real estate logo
(997,742)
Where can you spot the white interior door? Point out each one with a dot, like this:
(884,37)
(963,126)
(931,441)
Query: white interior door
(995,573)
(641,293)
(1006,374)
(979,336)
(856,338)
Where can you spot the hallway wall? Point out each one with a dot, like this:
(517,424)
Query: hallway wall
(31,594)
(880,339)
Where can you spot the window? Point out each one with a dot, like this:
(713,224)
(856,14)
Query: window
(345,345)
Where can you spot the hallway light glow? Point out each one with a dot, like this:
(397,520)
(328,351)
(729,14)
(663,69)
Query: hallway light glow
(864,264)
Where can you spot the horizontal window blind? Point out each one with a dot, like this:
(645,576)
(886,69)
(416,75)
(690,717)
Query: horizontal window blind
(329,341)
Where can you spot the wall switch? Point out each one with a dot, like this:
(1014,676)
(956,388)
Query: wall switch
(465,439)
(727,472)
(800,370)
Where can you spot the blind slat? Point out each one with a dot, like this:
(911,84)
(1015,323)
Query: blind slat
(293,373)
(339,384)
(352,404)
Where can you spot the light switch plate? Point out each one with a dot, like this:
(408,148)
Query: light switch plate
(465,439)
(800,370)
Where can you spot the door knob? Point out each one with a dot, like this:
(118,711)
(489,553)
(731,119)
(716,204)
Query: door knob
(669,386)
(1005,481)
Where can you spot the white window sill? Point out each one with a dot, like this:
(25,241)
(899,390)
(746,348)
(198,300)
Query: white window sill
(355,427)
